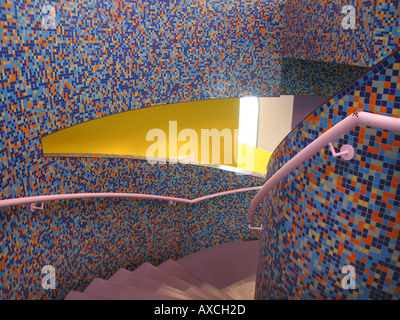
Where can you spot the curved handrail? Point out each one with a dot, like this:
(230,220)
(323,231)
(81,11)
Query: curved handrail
(46,198)
(355,119)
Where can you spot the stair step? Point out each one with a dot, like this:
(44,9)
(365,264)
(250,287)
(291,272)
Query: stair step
(152,272)
(117,291)
(230,267)
(129,278)
(226,271)
(76,295)
(179,271)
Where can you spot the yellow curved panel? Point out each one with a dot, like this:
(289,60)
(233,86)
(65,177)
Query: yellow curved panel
(183,128)
(125,133)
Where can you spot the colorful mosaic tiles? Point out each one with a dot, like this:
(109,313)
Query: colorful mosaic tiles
(313,31)
(106,57)
(102,58)
(90,238)
(329,213)
(386,29)
(315,78)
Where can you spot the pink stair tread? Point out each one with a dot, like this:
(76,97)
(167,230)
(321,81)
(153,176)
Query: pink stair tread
(223,272)
(150,271)
(179,271)
(109,289)
(76,295)
(129,278)
(230,267)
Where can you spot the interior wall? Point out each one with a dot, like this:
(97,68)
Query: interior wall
(386,38)
(102,58)
(303,106)
(316,78)
(279,116)
(252,159)
(87,238)
(275,121)
(330,213)
(106,57)
(314,31)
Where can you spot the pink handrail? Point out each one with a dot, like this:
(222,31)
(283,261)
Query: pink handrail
(356,119)
(46,198)
(360,118)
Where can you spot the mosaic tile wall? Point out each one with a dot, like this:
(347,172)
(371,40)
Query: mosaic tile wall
(315,78)
(313,31)
(91,238)
(105,57)
(329,213)
(386,29)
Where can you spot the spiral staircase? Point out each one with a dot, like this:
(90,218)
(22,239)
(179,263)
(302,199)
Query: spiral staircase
(224,272)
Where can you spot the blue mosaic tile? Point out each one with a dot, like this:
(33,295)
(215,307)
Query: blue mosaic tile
(329,213)
(313,31)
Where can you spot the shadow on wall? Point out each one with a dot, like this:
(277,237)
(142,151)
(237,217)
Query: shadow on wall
(303,106)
